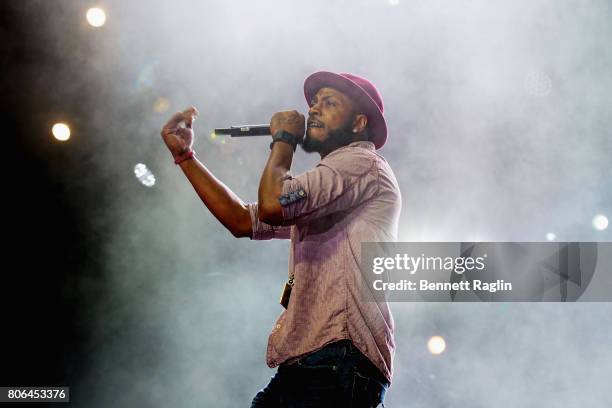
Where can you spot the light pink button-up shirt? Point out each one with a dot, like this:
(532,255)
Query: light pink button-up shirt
(350,197)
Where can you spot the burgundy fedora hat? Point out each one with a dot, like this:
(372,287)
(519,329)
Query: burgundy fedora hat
(359,89)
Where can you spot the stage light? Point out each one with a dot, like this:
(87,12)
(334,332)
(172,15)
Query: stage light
(61,132)
(600,222)
(144,175)
(96,17)
(436,345)
(551,236)
(394,2)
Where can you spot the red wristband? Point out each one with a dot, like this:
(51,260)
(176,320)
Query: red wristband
(185,156)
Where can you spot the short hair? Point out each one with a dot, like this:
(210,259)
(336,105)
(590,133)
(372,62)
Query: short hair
(368,132)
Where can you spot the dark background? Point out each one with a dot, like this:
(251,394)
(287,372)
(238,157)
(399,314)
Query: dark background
(50,204)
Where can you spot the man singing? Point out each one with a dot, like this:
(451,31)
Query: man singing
(333,346)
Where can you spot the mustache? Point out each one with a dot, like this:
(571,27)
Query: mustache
(313,121)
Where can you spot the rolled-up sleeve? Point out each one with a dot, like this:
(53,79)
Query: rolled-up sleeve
(337,183)
(263,231)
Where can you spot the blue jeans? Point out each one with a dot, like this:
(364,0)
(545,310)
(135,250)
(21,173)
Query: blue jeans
(337,376)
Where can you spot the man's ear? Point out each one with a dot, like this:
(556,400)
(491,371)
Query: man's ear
(360,123)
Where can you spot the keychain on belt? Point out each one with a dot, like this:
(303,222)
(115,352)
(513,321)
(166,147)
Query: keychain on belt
(284,300)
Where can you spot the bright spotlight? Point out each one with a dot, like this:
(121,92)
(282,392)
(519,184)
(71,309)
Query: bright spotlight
(394,2)
(96,17)
(61,132)
(144,175)
(551,236)
(436,345)
(600,222)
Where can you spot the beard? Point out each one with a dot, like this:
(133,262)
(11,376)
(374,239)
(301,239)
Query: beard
(336,138)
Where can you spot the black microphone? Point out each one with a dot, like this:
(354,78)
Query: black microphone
(244,130)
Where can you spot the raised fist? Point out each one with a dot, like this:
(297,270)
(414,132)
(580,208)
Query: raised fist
(289,121)
(177,133)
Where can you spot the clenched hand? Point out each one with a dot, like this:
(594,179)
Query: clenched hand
(289,121)
(177,133)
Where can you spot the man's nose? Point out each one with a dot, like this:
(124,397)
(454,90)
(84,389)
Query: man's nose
(314,110)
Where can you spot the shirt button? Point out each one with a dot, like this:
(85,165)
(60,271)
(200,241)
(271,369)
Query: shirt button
(278,326)
(301,193)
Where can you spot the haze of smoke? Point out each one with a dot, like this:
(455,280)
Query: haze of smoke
(498,131)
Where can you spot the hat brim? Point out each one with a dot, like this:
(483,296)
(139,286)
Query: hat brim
(376,120)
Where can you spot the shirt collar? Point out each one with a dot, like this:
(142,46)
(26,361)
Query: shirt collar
(366,144)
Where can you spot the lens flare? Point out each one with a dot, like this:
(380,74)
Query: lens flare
(161,105)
